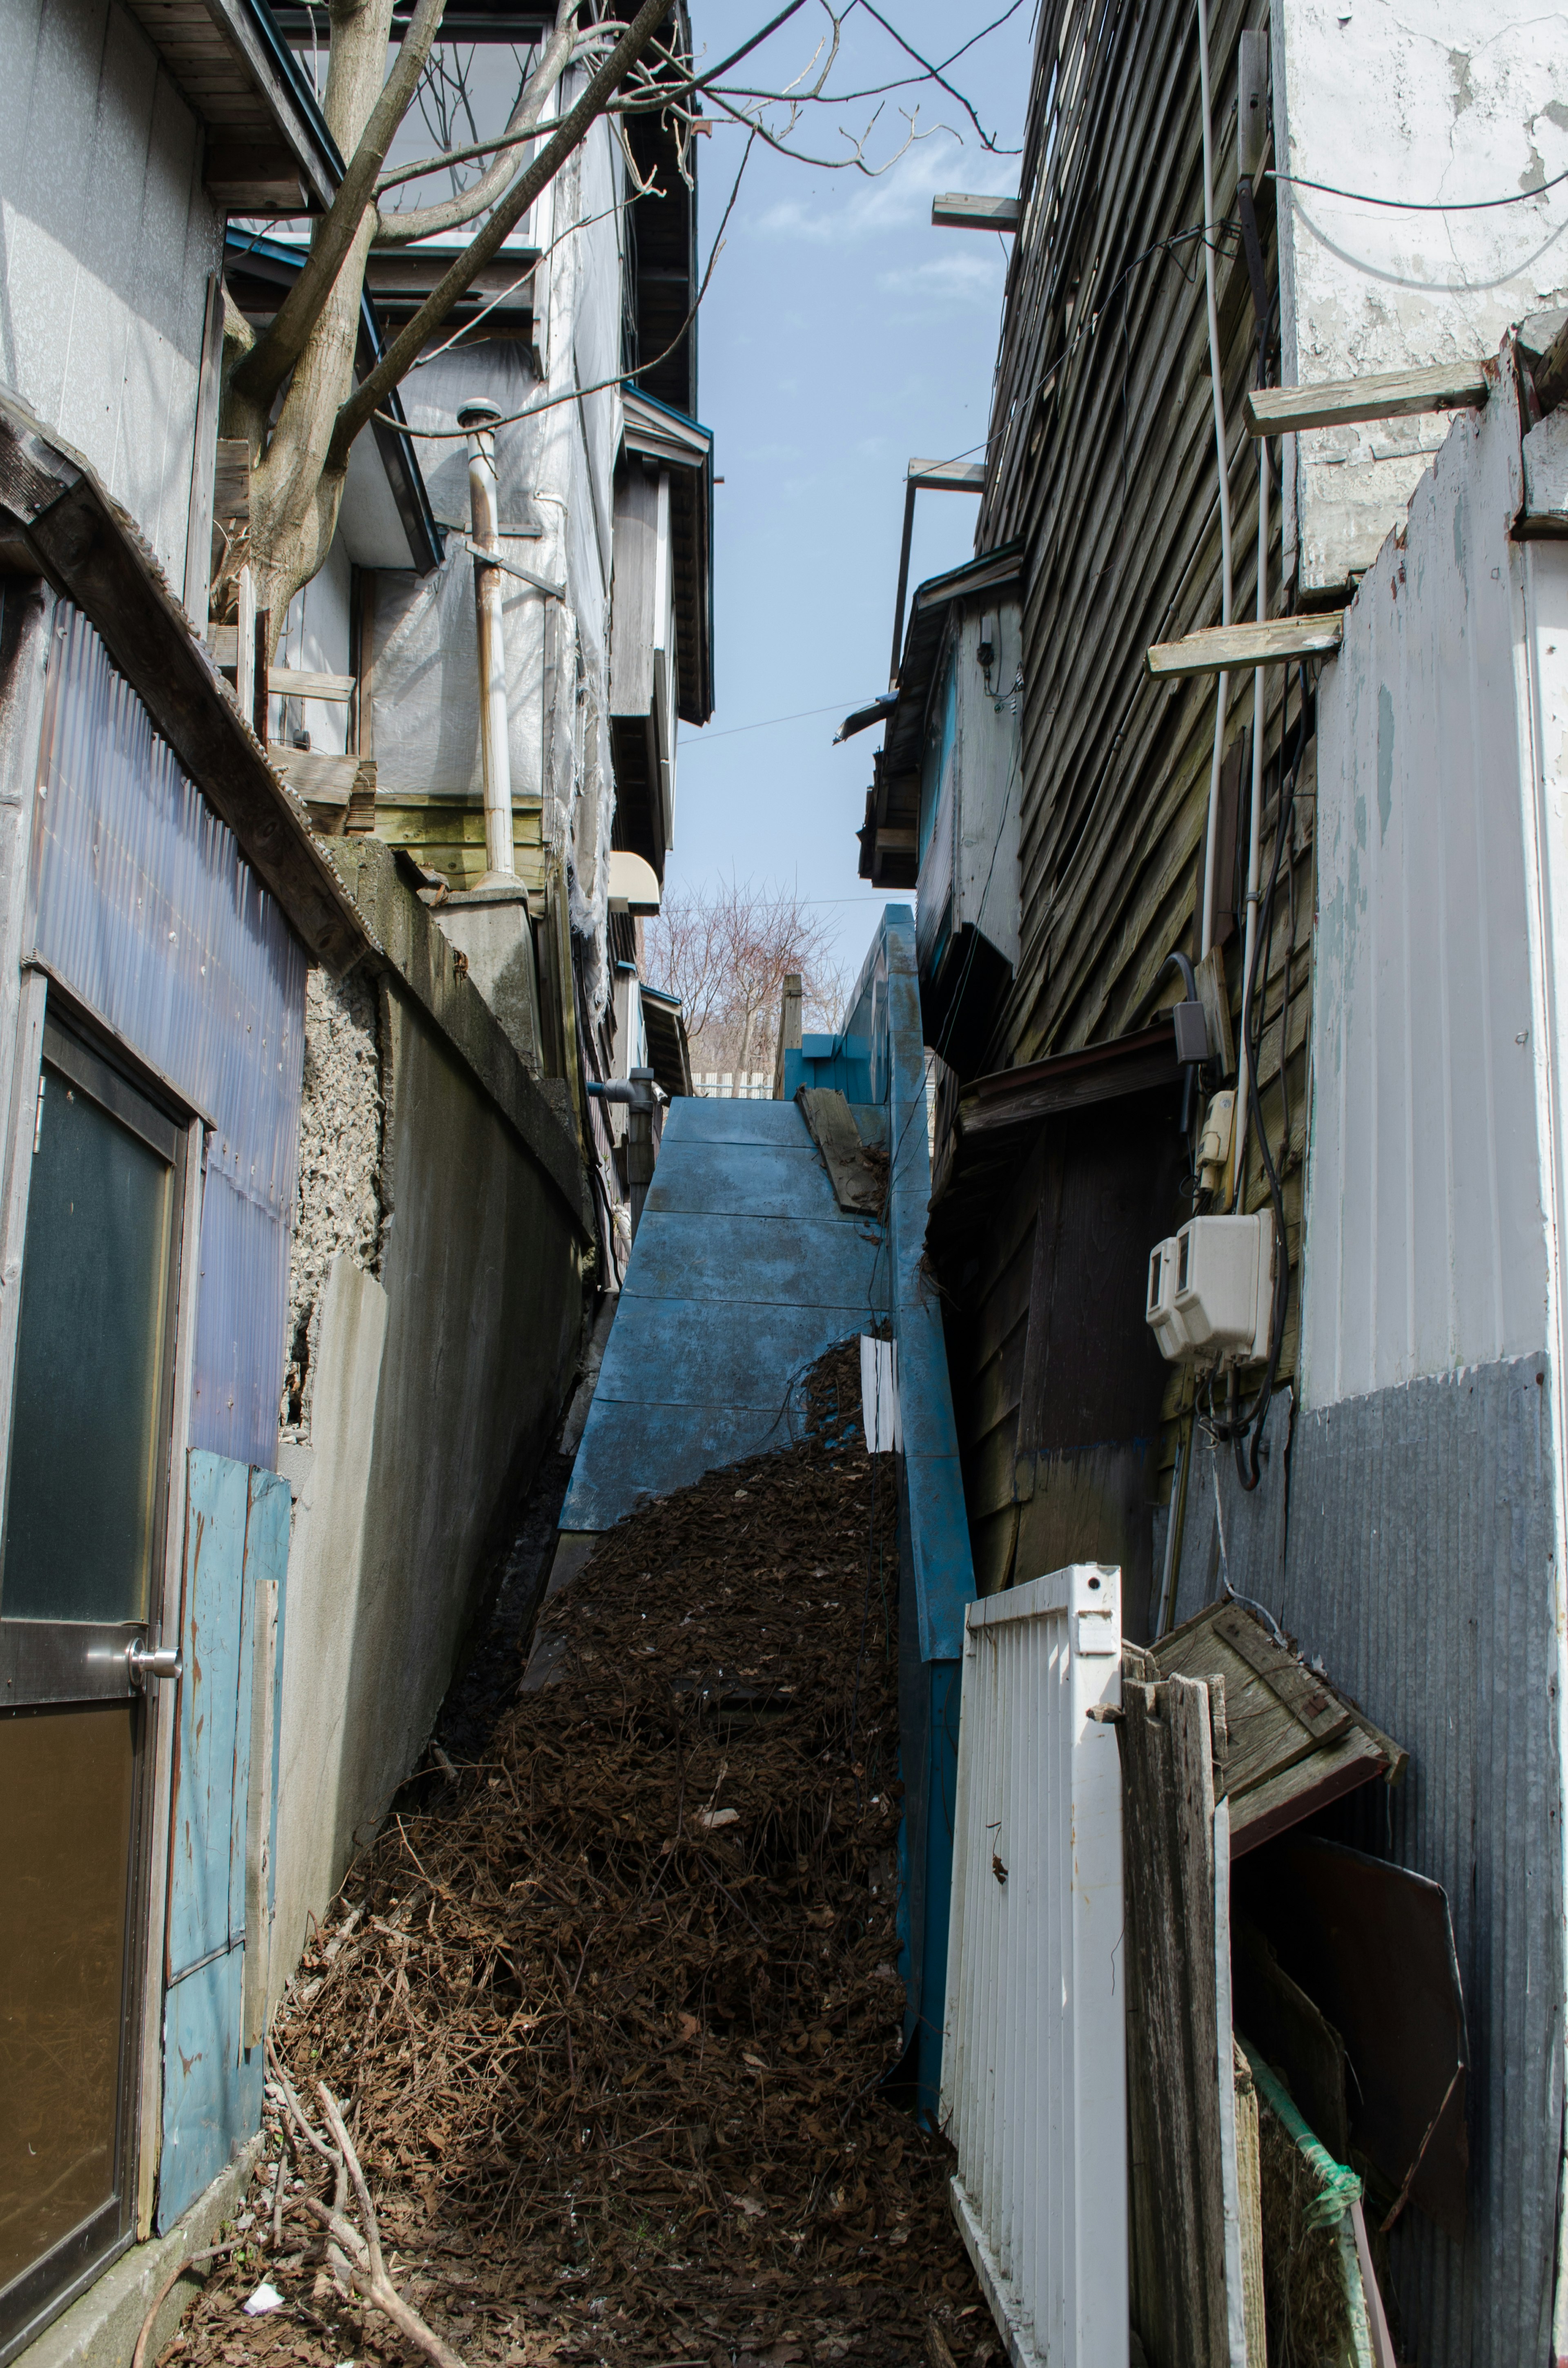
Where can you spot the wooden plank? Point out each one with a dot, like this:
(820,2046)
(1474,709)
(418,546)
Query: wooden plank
(954,210)
(1176,2189)
(1264,1737)
(1095,1073)
(1249,2190)
(1310,1701)
(1236,649)
(230,481)
(1303,1789)
(298,682)
(321,778)
(1384,394)
(856,1186)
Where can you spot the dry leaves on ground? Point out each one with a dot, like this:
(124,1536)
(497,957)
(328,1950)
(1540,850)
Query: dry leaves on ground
(610,2013)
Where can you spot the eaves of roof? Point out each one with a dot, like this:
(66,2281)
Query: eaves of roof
(656,432)
(1000,571)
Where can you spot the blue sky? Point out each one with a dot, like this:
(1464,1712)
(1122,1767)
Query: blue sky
(840,336)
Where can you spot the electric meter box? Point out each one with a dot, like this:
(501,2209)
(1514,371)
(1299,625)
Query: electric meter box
(1210,1291)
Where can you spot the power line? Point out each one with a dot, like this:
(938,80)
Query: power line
(766,724)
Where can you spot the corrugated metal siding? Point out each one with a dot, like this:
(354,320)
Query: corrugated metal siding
(1426,1236)
(107,238)
(141,904)
(1420,1565)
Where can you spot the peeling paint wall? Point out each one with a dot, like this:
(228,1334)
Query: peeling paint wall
(1453,100)
(339,1209)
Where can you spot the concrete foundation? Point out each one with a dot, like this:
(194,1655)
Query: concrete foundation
(100,2329)
(490,926)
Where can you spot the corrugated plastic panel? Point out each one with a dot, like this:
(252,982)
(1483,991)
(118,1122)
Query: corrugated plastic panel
(1419,1566)
(1034,2093)
(143,904)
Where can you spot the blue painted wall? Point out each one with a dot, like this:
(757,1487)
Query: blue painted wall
(237,1522)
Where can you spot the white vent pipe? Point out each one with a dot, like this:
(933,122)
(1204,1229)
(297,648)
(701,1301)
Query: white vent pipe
(479,417)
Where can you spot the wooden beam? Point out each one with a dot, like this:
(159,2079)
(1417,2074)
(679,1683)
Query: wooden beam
(1388,394)
(230,480)
(1236,649)
(298,682)
(254,179)
(955,210)
(1095,1073)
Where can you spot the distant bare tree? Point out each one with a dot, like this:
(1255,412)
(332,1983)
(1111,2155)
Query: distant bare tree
(726,951)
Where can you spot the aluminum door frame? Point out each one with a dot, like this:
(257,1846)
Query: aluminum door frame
(143,2065)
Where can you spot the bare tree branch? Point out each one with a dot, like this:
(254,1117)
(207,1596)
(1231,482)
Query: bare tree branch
(268,363)
(404,347)
(422,222)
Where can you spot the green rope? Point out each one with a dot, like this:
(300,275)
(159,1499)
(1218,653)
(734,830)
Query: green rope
(1339,2188)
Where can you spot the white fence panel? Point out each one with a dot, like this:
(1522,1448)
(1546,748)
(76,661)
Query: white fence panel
(1034,2064)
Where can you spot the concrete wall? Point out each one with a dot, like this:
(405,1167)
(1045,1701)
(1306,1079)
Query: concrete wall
(438,1285)
(1456,101)
(106,239)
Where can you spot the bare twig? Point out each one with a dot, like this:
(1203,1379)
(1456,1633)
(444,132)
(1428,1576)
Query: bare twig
(379,2289)
(180,2270)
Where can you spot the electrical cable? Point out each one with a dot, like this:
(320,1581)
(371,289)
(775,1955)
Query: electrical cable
(1221,449)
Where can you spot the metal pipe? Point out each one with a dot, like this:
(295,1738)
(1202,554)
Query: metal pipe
(1254,848)
(500,859)
(1217,388)
(638,1093)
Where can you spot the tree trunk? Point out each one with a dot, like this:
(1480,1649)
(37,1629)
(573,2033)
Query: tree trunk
(294,497)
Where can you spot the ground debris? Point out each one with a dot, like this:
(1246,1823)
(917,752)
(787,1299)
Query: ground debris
(611,2012)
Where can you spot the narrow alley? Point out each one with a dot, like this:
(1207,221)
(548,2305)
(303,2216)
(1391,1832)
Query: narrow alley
(783,1464)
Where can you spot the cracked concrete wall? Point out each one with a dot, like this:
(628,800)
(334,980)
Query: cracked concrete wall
(340,1204)
(1446,103)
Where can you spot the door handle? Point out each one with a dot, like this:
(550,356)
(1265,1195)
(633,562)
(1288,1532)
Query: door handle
(165,1661)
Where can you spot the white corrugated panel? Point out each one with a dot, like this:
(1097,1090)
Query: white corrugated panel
(1033,2063)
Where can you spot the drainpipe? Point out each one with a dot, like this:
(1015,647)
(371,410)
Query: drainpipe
(640,1094)
(500,859)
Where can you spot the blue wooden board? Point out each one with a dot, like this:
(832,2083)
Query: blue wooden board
(211,2088)
(692,1352)
(824,1261)
(753,1179)
(212,1740)
(693,1120)
(630,1451)
(237,1527)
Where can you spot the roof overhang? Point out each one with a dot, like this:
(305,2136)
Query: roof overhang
(993,1121)
(57,521)
(668,1053)
(653,432)
(268,150)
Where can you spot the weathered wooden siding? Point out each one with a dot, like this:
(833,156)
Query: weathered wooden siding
(1102,464)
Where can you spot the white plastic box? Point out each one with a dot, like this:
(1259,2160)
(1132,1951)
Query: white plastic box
(1210,1291)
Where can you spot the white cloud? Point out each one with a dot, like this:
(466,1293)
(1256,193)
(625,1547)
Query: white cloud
(853,208)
